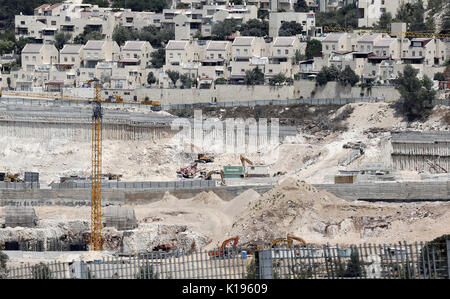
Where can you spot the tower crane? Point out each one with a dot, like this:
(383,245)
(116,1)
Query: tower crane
(96,172)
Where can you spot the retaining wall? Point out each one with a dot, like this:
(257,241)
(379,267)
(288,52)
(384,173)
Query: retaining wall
(391,191)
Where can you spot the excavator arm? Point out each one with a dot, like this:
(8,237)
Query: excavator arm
(291,238)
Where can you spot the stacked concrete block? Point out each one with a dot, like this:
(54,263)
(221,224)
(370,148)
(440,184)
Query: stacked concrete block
(122,218)
(20,216)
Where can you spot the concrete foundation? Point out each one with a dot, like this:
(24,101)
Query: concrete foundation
(20,216)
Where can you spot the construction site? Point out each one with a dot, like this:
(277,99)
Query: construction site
(108,180)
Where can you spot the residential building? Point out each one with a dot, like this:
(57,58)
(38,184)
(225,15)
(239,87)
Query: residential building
(307,20)
(280,58)
(136,53)
(36,55)
(247,52)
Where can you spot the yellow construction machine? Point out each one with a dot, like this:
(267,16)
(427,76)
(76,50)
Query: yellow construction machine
(243,160)
(288,240)
(201,157)
(208,176)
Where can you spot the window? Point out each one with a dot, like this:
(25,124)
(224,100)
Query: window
(279,51)
(242,70)
(286,51)
(362,47)
(65,59)
(326,47)
(245,51)
(22,22)
(219,55)
(171,55)
(270,70)
(53,22)
(211,55)
(26,57)
(420,53)
(334,47)
(73,59)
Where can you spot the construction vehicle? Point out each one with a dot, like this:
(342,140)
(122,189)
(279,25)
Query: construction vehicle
(208,176)
(189,171)
(201,157)
(291,238)
(12,178)
(114,99)
(225,251)
(288,240)
(155,105)
(243,160)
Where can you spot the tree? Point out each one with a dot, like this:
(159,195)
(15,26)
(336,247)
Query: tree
(147,272)
(8,81)
(255,27)
(313,48)
(417,94)
(100,3)
(155,36)
(354,265)
(158,58)
(301,6)
(86,35)
(278,79)
(327,74)
(186,81)
(263,14)
(6,46)
(151,78)
(413,15)
(41,271)
(61,39)
(344,17)
(254,77)
(3,260)
(173,76)
(348,76)
(141,5)
(384,22)
(298,56)
(445,27)
(439,77)
(122,34)
(290,29)
(222,29)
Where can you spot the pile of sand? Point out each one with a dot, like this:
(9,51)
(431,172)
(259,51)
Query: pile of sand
(319,217)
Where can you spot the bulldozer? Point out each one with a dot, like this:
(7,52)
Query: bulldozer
(225,251)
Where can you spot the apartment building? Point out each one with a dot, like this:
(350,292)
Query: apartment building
(37,55)
(136,54)
(276,19)
(280,58)
(370,11)
(247,52)
(339,41)
(68,17)
(96,51)
(71,55)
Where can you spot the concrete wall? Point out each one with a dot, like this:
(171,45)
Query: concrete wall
(305,88)
(220,93)
(226,93)
(395,191)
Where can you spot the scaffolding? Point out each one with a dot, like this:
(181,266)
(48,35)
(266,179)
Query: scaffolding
(122,218)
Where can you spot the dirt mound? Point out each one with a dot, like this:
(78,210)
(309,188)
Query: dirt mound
(298,208)
(207,198)
(240,202)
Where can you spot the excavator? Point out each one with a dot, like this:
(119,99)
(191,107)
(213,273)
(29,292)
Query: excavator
(208,176)
(225,251)
(11,178)
(243,160)
(201,157)
(189,171)
(289,240)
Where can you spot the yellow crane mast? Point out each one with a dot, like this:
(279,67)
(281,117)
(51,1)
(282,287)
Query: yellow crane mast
(96,173)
